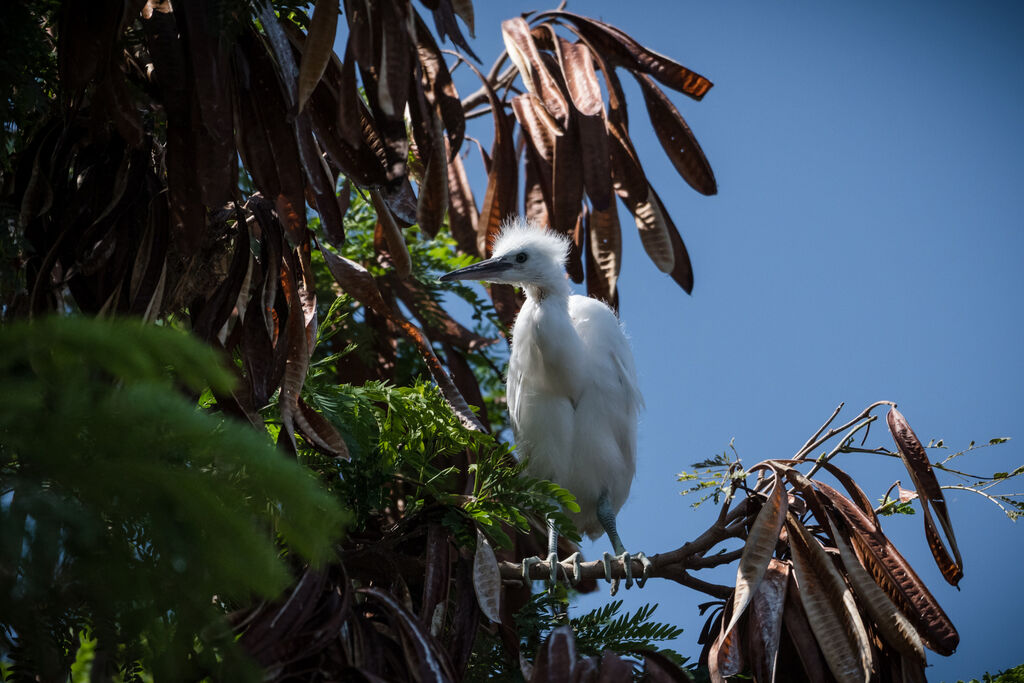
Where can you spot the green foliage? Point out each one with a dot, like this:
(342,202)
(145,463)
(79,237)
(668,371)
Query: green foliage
(430,258)
(411,434)
(128,511)
(892,506)
(502,492)
(713,478)
(1014,675)
(605,628)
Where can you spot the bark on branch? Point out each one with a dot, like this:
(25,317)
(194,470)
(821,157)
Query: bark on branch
(674,565)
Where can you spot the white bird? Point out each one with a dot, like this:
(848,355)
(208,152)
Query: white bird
(571,388)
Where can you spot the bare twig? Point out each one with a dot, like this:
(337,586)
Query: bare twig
(818,441)
(479,97)
(961,487)
(478,112)
(847,438)
(822,427)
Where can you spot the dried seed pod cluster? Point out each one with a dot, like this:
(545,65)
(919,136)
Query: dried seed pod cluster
(832,588)
(577,152)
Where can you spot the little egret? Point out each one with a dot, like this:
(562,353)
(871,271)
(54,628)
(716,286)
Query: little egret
(571,388)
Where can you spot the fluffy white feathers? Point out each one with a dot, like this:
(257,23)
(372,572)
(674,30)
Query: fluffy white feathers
(518,234)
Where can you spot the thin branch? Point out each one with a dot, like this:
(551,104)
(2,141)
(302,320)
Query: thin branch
(847,438)
(969,449)
(961,487)
(478,112)
(816,442)
(478,97)
(966,475)
(822,427)
(881,450)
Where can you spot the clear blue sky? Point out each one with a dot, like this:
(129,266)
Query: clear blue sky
(866,243)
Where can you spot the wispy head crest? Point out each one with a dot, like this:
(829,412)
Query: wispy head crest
(517,233)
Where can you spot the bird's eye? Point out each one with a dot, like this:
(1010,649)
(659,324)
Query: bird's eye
(521,257)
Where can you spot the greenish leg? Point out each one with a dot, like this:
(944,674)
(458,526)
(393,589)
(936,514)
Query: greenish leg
(606,517)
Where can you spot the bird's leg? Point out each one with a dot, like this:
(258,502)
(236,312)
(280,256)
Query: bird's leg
(552,558)
(553,552)
(607,519)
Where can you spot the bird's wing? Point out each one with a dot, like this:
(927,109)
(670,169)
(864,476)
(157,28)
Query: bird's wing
(608,354)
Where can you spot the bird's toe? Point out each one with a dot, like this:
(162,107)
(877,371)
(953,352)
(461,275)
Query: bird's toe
(577,570)
(646,563)
(553,564)
(527,563)
(627,567)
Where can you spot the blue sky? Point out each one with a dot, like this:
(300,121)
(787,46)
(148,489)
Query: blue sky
(866,243)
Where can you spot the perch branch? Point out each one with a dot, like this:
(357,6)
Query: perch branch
(673,565)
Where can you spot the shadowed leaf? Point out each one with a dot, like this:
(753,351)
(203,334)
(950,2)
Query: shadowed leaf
(319,48)
(538,80)
(895,575)
(604,253)
(654,231)
(438,85)
(830,608)
(764,622)
(585,95)
(801,637)
(889,621)
(462,211)
(424,657)
(400,258)
(444,21)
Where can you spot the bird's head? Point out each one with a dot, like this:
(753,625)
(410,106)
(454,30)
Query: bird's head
(525,254)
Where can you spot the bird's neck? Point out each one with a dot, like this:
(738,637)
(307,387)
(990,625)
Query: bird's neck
(553,292)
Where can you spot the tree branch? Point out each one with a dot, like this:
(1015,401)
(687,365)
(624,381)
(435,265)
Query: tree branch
(816,440)
(672,565)
(478,97)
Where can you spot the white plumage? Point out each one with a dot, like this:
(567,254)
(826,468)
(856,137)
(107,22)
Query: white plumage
(572,390)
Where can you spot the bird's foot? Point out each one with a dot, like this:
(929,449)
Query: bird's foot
(645,574)
(627,568)
(527,563)
(553,564)
(577,570)
(606,559)
(572,578)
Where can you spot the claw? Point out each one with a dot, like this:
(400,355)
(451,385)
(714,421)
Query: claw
(627,567)
(647,564)
(606,559)
(577,571)
(553,564)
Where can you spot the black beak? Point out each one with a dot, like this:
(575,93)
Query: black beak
(478,271)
